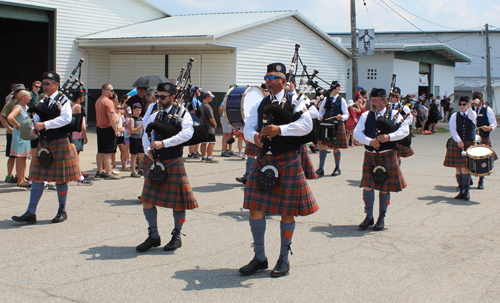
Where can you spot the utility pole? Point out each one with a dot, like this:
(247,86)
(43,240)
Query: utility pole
(488,68)
(354,50)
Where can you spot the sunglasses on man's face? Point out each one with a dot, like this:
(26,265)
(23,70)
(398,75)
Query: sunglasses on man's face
(47,83)
(462,104)
(162,97)
(37,86)
(272,77)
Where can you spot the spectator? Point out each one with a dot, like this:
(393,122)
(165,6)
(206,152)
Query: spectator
(351,122)
(35,96)
(126,135)
(207,118)
(358,93)
(114,170)
(136,133)
(194,111)
(106,132)
(11,94)
(7,109)
(227,132)
(139,98)
(120,139)
(79,138)
(20,149)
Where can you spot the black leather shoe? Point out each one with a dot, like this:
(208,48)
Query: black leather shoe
(471,182)
(380,222)
(254,266)
(480,184)
(312,148)
(60,217)
(281,269)
(150,242)
(466,195)
(26,217)
(461,194)
(336,172)
(367,222)
(175,242)
(320,172)
(242,180)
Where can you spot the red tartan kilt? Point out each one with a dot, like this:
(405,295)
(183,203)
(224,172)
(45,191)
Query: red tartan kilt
(252,150)
(454,156)
(404,151)
(307,165)
(291,196)
(395,182)
(487,141)
(341,135)
(63,168)
(174,192)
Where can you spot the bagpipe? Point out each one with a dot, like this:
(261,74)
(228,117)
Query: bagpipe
(172,126)
(68,90)
(386,124)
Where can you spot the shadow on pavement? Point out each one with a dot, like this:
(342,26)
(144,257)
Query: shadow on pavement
(239,216)
(448,189)
(11,224)
(449,200)
(123,202)
(354,183)
(106,252)
(201,279)
(215,187)
(341,231)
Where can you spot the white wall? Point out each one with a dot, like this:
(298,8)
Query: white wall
(444,77)
(406,76)
(80,17)
(256,49)
(381,64)
(124,70)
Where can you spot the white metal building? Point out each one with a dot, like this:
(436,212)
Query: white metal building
(228,48)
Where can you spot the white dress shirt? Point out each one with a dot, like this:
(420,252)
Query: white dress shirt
(301,127)
(63,119)
(360,136)
(453,123)
(345,112)
(184,135)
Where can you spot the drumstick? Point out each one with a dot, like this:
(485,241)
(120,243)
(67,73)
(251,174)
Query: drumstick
(331,118)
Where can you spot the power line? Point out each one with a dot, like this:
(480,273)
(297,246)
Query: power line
(420,17)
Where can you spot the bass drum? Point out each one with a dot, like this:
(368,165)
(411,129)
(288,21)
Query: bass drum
(238,102)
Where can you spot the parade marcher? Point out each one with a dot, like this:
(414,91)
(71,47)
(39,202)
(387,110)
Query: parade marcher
(486,123)
(55,160)
(462,127)
(381,169)
(291,196)
(395,103)
(333,107)
(175,191)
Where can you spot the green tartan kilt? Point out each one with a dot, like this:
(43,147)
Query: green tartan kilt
(252,150)
(63,168)
(404,151)
(453,157)
(395,182)
(291,196)
(307,165)
(174,192)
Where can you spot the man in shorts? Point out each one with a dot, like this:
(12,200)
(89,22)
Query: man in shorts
(207,118)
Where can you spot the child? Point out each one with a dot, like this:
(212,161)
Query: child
(136,132)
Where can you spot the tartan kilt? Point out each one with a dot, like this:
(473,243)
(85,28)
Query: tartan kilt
(404,151)
(341,135)
(307,165)
(395,182)
(252,150)
(454,156)
(174,191)
(63,168)
(487,141)
(291,196)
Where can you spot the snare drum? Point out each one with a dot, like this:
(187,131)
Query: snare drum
(326,132)
(480,160)
(238,102)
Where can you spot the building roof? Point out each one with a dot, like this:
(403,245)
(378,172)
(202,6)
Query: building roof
(441,49)
(474,83)
(158,8)
(201,26)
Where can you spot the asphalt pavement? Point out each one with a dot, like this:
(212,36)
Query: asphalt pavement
(434,248)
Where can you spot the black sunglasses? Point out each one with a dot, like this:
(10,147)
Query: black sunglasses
(272,77)
(48,83)
(162,97)
(462,104)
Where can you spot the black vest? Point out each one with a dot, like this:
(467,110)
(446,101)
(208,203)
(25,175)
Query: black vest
(336,108)
(169,152)
(482,120)
(278,145)
(465,127)
(371,132)
(51,134)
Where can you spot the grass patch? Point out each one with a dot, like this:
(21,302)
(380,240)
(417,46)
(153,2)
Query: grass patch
(442,130)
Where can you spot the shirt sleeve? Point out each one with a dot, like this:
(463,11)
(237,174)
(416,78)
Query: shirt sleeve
(251,123)
(301,126)
(322,108)
(63,119)
(453,128)
(491,117)
(471,114)
(359,130)
(345,112)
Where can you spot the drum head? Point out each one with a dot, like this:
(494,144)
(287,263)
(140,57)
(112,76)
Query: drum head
(479,151)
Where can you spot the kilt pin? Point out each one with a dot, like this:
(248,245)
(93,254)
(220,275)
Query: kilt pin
(341,135)
(174,191)
(63,168)
(307,164)
(453,156)
(291,196)
(404,151)
(396,182)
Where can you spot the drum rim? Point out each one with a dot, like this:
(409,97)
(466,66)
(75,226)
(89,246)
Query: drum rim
(481,175)
(480,157)
(241,104)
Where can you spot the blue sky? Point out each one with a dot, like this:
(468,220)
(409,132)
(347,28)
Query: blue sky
(333,15)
